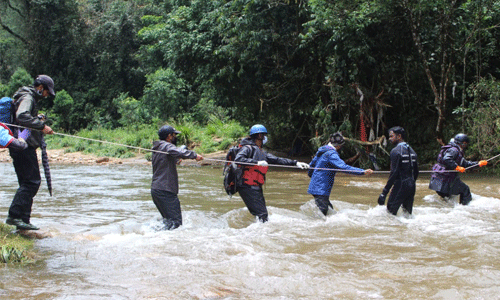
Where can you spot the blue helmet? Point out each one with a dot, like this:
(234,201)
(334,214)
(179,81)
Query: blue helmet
(258,129)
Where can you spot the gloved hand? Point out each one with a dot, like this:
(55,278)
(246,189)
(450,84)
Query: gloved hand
(483,163)
(262,163)
(460,169)
(381,199)
(302,165)
(24,134)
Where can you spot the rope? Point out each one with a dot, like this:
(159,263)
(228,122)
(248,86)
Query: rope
(227,161)
(473,166)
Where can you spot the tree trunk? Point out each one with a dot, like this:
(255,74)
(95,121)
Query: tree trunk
(440,97)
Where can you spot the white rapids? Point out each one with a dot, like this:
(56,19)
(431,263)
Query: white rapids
(105,243)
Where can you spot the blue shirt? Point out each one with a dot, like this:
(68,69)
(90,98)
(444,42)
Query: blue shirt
(5,137)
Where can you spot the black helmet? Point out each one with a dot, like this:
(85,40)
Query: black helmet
(461,138)
(165,130)
(47,83)
(337,139)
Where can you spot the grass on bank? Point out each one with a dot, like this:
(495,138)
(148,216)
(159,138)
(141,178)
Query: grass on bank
(14,248)
(215,136)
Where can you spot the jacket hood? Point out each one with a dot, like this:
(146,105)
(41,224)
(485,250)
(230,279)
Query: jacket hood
(324,149)
(452,144)
(248,141)
(156,144)
(26,90)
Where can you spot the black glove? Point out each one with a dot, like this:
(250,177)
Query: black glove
(381,199)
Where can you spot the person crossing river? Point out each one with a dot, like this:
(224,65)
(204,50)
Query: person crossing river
(322,176)
(254,172)
(165,182)
(404,174)
(452,157)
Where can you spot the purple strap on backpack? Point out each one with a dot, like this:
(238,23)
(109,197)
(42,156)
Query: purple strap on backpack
(24,134)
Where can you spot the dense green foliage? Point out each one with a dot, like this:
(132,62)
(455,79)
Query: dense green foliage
(302,68)
(126,141)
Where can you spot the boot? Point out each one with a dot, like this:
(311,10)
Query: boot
(20,224)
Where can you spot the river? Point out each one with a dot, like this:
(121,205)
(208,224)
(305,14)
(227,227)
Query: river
(105,245)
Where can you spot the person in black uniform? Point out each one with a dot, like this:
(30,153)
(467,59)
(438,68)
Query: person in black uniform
(254,173)
(404,173)
(450,158)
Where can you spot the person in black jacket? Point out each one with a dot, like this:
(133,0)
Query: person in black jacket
(26,162)
(165,183)
(255,169)
(452,158)
(404,173)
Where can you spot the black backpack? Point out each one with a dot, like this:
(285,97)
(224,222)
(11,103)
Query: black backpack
(232,172)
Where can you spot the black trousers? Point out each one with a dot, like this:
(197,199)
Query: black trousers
(28,175)
(323,202)
(254,200)
(169,206)
(403,193)
(458,187)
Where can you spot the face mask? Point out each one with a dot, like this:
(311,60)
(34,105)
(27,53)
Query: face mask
(174,141)
(264,141)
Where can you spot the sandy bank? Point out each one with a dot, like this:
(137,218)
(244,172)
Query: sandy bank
(59,156)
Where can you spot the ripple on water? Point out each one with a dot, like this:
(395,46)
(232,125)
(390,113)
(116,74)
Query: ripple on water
(106,244)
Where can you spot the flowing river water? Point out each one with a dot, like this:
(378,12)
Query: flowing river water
(104,244)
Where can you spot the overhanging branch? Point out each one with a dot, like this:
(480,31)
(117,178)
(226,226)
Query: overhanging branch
(14,9)
(7,28)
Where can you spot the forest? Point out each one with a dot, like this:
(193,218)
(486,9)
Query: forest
(304,69)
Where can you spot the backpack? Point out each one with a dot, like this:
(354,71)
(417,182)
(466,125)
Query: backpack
(6,107)
(232,173)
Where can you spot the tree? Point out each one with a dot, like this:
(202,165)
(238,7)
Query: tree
(442,32)
(165,94)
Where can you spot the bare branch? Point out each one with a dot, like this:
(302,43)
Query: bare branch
(7,28)
(14,9)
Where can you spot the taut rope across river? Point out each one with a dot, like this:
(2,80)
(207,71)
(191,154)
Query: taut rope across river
(226,161)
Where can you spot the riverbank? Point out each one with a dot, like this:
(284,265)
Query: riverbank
(61,156)
(14,247)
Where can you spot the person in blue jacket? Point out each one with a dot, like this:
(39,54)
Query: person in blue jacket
(322,179)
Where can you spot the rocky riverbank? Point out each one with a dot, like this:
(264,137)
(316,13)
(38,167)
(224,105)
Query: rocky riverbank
(60,156)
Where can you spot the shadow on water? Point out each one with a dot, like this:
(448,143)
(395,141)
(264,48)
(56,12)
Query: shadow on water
(105,245)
